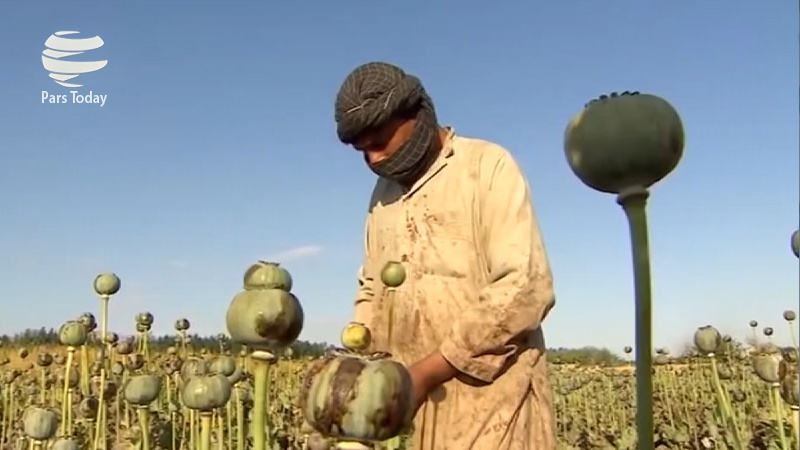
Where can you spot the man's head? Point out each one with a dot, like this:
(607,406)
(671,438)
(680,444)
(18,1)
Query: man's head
(387,115)
(381,142)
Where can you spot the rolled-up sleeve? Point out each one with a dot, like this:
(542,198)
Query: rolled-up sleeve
(520,290)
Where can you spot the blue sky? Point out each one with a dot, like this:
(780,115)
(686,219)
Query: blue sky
(217,147)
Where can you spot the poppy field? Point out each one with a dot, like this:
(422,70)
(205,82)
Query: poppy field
(83,394)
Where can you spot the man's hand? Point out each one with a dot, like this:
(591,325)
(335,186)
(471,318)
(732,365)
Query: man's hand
(428,374)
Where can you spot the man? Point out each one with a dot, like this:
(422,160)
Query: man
(467,320)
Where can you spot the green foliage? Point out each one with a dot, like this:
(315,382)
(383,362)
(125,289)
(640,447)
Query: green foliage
(45,336)
(585,356)
(49,336)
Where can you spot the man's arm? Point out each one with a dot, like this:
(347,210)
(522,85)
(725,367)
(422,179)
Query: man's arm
(520,293)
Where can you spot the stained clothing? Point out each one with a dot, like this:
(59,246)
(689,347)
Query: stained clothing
(478,286)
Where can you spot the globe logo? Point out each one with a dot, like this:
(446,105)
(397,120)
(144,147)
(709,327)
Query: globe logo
(59,48)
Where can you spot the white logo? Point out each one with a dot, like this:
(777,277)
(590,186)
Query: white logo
(63,70)
(55,59)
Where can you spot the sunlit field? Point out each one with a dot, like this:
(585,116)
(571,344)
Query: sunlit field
(186,392)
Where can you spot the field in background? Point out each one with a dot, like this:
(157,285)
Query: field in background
(595,405)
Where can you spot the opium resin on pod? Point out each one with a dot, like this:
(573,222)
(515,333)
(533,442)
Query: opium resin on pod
(260,318)
(358,398)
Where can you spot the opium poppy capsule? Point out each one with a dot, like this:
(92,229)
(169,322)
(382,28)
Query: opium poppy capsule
(72,334)
(142,390)
(766,367)
(626,140)
(264,317)
(39,424)
(393,274)
(358,397)
(707,339)
(267,275)
(206,393)
(107,284)
(356,337)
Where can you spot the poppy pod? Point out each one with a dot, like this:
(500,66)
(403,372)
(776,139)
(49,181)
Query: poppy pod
(707,339)
(39,424)
(356,337)
(767,367)
(620,141)
(107,284)
(206,393)
(393,274)
(358,398)
(141,390)
(263,317)
(267,275)
(265,313)
(72,334)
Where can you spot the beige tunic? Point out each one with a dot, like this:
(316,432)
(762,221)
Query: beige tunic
(478,287)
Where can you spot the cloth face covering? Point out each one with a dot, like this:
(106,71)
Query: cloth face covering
(414,157)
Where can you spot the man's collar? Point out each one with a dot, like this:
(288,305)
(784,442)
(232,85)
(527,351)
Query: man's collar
(447,145)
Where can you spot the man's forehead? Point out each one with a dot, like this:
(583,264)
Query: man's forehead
(365,139)
(371,136)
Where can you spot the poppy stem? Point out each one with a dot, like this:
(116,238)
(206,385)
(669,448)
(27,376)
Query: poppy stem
(634,202)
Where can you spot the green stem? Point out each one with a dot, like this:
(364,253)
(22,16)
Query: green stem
(793,333)
(85,369)
(634,203)
(725,406)
(205,430)
(778,408)
(171,414)
(64,393)
(267,392)
(12,406)
(104,431)
(239,419)
(43,387)
(118,415)
(259,408)
(4,414)
(220,431)
(229,423)
(192,429)
(144,424)
(183,343)
(90,426)
(390,293)
(173,438)
(69,412)
(146,348)
(101,402)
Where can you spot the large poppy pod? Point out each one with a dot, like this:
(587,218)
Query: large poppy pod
(624,140)
(263,318)
(358,398)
